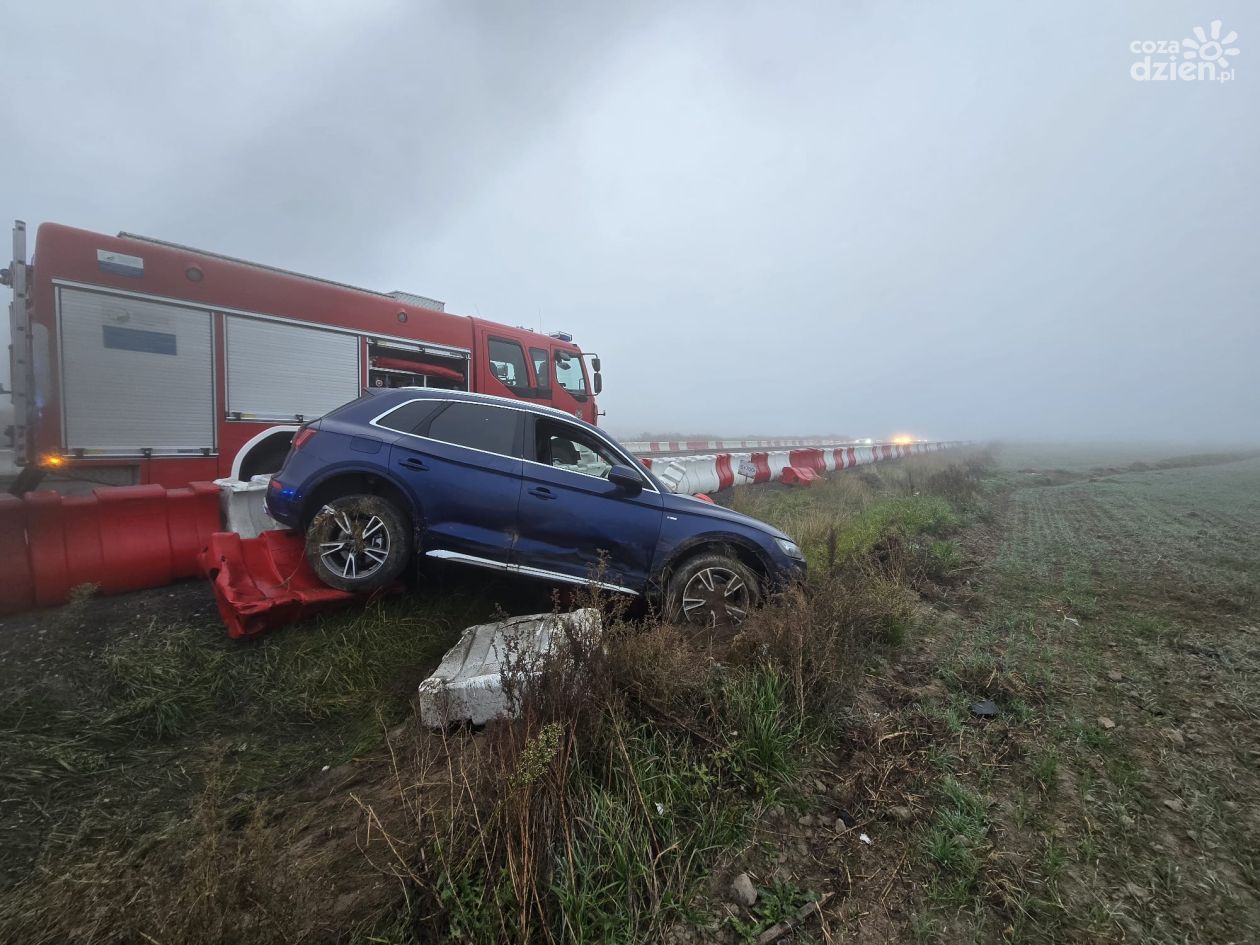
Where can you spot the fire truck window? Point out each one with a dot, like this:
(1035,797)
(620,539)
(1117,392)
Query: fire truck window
(541,370)
(411,418)
(478,426)
(507,360)
(565,446)
(569,373)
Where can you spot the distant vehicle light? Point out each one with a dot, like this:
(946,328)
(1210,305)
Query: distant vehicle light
(902,439)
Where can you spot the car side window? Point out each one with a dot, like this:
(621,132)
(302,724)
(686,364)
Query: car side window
(565,446)
(410,417)
(477,426)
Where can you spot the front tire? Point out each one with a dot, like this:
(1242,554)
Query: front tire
(358,543)
(715,589)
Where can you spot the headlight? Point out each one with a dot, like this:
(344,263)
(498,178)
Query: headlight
(790,548)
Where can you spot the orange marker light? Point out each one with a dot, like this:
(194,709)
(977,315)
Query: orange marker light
(53,461)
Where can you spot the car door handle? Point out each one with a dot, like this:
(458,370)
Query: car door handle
(416,464)
(542,493)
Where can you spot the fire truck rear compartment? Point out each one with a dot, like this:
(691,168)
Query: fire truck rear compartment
(136,376)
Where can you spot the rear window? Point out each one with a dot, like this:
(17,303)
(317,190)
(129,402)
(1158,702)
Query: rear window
(411,417)
(477,426)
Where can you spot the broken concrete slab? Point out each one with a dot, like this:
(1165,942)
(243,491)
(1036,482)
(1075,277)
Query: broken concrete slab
(467,686)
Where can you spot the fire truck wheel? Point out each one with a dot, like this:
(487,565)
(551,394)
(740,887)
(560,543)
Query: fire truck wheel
(713,589)
(358,543)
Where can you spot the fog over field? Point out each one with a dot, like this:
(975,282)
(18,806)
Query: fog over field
(950,219)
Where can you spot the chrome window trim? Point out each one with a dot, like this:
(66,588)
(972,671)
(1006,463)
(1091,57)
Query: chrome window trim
(476,396)
(450,400)
(525,571)
(510,404)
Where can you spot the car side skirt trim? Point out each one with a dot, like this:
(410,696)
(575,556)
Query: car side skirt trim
(526,571)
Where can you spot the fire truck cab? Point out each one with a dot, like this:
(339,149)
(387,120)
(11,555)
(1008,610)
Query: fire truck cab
(135,360)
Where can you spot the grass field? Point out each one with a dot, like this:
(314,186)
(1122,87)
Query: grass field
(162,784)
(1113,623)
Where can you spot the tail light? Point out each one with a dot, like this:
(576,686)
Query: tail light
(301,437)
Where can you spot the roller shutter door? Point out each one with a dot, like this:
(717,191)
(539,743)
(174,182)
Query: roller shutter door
(278,371)
(135,375)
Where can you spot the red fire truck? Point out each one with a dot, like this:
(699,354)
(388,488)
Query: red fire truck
(136,360)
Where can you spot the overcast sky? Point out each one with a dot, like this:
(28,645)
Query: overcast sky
(953,219)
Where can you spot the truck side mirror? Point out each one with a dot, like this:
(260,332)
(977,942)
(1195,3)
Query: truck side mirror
(595,364)
(598,381)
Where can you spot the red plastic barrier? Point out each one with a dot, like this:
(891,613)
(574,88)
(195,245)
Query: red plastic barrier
(762,462)
(192,517)
(134,530)
(121,538)
(265,582)
(17,589)
(809,458)
(725,475)
(799,476)
(81,532)
(45,529)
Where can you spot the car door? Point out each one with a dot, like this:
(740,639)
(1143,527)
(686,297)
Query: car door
(570,514)
(462,463)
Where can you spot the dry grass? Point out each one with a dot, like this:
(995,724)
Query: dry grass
(600,813)
(223,875)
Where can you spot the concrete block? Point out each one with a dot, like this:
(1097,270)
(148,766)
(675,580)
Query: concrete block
(468,684)
(242,506)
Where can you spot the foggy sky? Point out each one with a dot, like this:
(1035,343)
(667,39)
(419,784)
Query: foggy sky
(951,219)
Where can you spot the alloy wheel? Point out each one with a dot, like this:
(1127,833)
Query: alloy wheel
(716,596)
(358,544)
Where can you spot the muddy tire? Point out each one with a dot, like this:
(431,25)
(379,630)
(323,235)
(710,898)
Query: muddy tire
(358,543)
(715,589)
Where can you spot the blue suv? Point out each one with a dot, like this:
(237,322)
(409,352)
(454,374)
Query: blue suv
(517,487)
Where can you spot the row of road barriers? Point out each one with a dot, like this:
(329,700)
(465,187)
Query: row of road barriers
(690,475)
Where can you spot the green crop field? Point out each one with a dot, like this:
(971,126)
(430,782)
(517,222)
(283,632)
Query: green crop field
(1189,530)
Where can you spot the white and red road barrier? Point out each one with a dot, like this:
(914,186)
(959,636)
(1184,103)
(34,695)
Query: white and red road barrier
(655,448)
(688,475)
